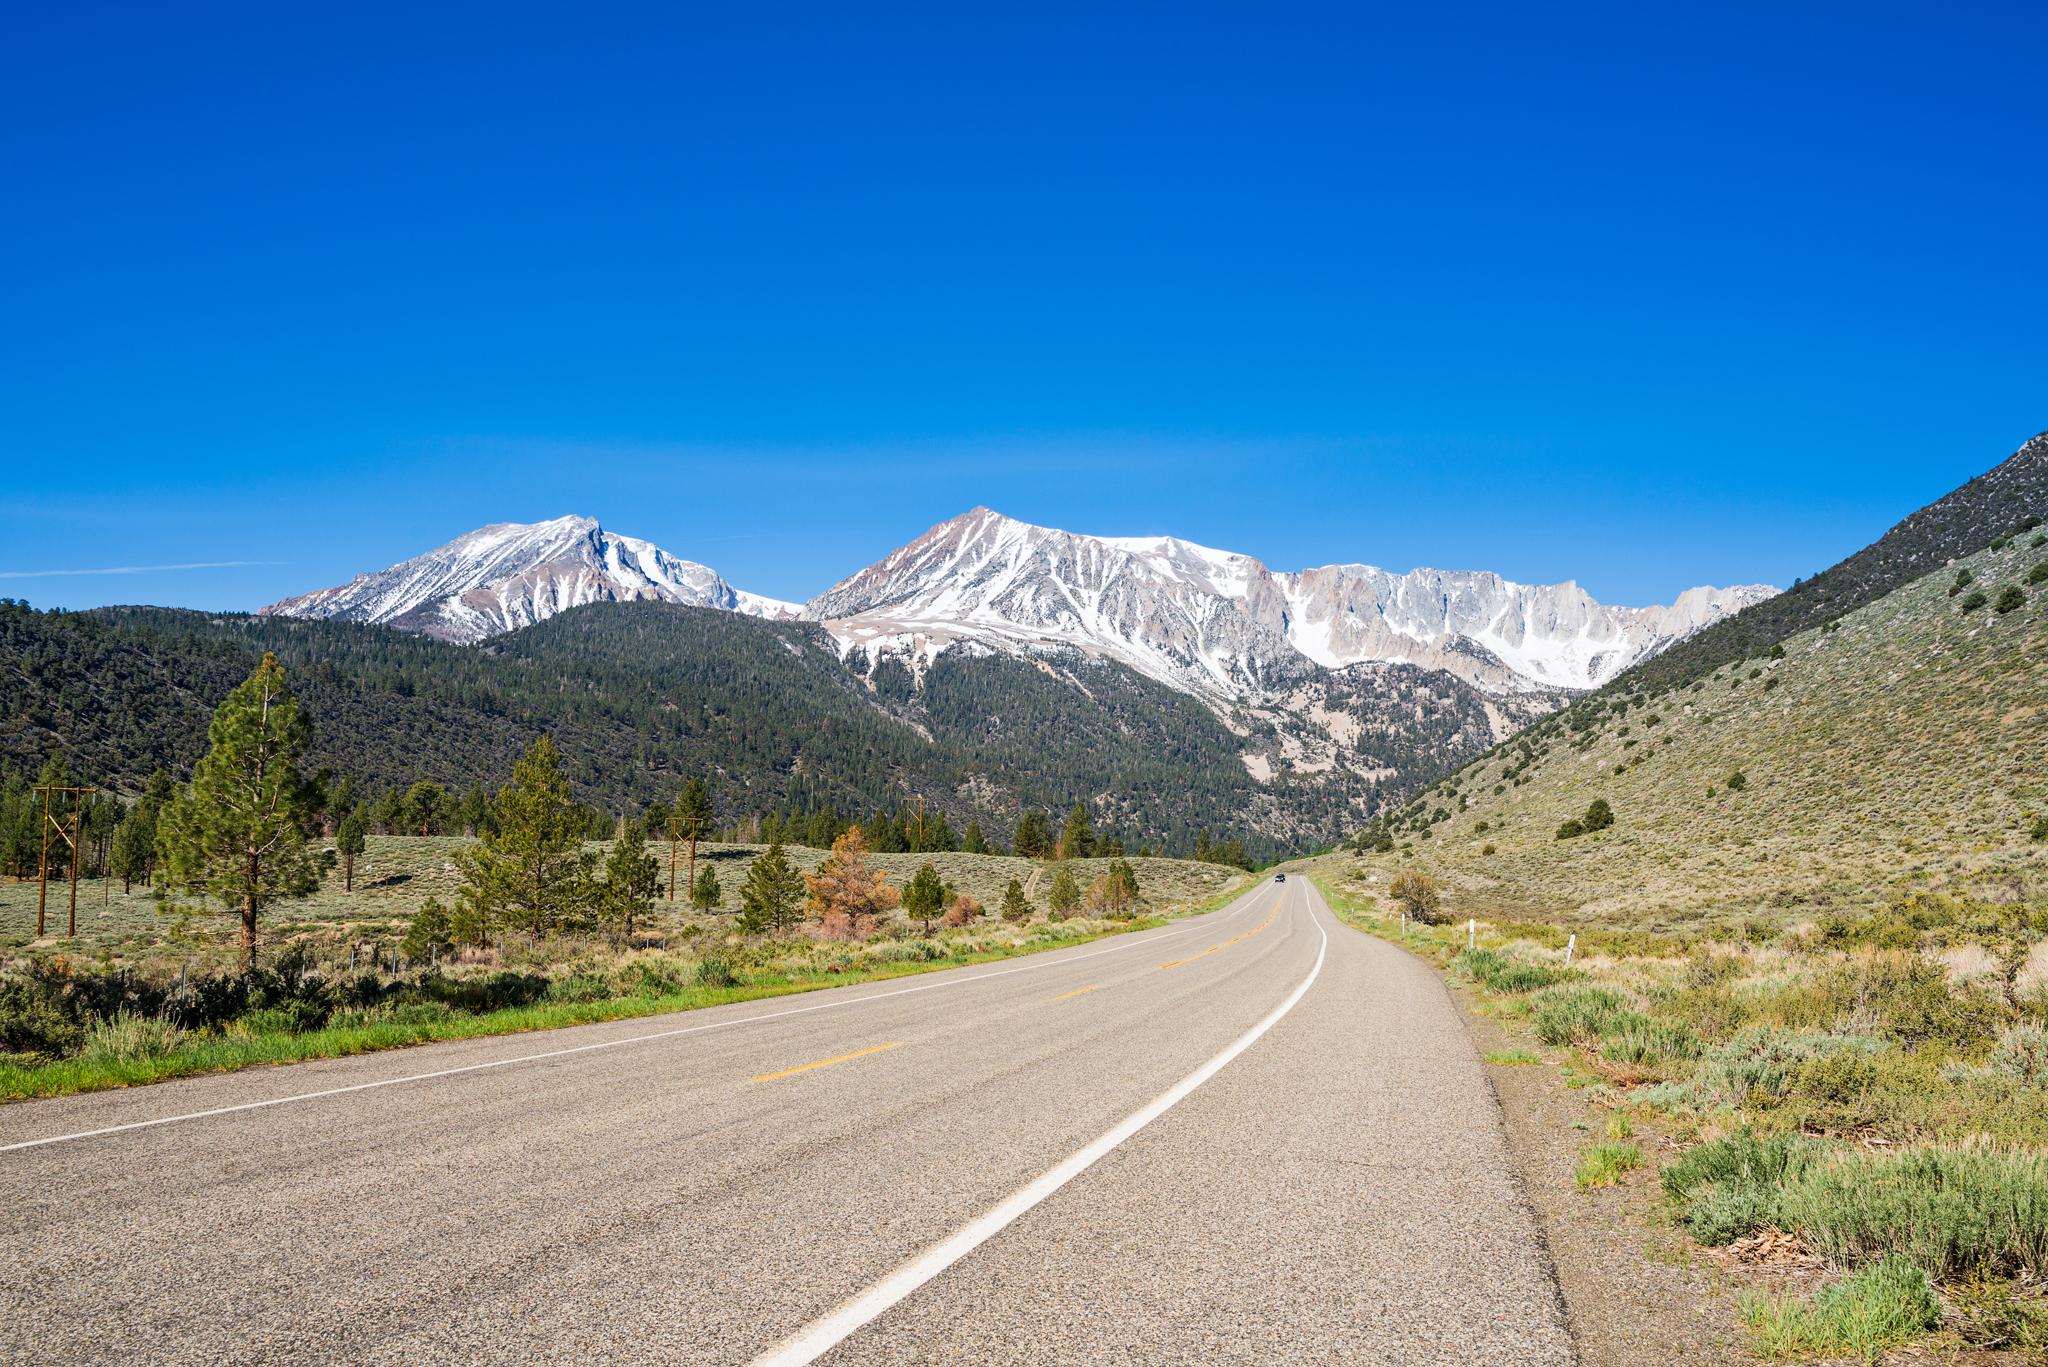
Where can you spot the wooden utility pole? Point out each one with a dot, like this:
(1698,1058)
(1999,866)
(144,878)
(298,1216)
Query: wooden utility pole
(70,836)
(917,801)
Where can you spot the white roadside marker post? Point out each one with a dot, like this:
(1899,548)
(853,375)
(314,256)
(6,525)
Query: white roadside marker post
(1570,945)
(1471,933)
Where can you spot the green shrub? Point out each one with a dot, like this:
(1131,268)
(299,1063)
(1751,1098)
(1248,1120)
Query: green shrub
(393,1013)
(1566,1014)
(582,987)
(2022,1055)
(1570,829)
(1719,1213)
(1914,1002)
(1632,1038)
(1499,973)
(129,1038)
(289,1018)
(1736,781)
(2010,599)
(1756,1066)
(1972,601)
(1861,1316)
(1951,1211)
(1740,1158)
(33,1023)
(715,970)
(2038,574)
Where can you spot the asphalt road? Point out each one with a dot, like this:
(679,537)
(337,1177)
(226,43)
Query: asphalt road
(1256,1136)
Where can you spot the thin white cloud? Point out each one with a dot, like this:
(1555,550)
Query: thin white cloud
(137,569)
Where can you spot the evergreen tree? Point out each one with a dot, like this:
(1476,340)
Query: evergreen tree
(1034,835)
(705,892)
(349,839)
(1599,816)
(925,898)
(236,834)
(974,842)
(694,802)
(632,878)
(530,872)
(389,814)
(1077,839)
(1065,894)
(134,852)
(429,935)
(769,894)
(1016,907)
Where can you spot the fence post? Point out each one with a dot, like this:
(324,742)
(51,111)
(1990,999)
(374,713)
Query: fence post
(1570,945)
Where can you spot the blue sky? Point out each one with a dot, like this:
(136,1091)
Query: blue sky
(1633,295)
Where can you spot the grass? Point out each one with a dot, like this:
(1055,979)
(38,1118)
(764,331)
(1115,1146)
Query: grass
(1513,1058)
(1862,1316)
(397,873)
(128,1052)
(1906,750)
(1604,1164)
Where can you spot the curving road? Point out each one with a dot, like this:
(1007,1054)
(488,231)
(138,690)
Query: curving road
(1256,1136)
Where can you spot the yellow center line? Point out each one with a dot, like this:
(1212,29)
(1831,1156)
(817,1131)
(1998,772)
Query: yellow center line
(826,1062)
(1176,963)
(1079,992)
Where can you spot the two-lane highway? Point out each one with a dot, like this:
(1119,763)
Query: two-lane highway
(1255,1136)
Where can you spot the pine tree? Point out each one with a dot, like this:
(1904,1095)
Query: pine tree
(768,895)
(1016,907)
(848,897)
(705,892)
(469,813)
(974,842)
(134,852)
(349,839)
(632,877)
(530,872)
(925,897)
(429,934)
(1065,894)
(236,834)
(1034,835)
(694,802)
(1077,839)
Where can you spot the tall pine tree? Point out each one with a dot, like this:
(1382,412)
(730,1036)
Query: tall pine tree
(770,895)
(236,834)
(529,872)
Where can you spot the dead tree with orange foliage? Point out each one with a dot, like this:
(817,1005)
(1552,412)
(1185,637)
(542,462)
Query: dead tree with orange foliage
(849,899)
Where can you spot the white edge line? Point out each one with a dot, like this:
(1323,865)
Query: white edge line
(824,1334)
(588,1048)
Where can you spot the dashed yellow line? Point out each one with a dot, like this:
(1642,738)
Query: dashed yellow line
(827,1062)
(1079,992)
(1176,963)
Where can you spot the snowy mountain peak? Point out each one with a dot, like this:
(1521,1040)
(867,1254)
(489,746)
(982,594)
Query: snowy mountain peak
(513,574)
(1224,626)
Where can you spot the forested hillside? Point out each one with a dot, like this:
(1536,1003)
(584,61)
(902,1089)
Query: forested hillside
(642,696)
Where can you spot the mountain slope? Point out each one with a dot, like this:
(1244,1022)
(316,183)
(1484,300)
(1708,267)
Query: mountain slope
(641,696)
(1995,503)
(1225,627)
(510,575)
(1902,749)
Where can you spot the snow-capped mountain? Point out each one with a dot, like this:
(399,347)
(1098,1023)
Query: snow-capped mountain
(1226,627)
(511,574)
